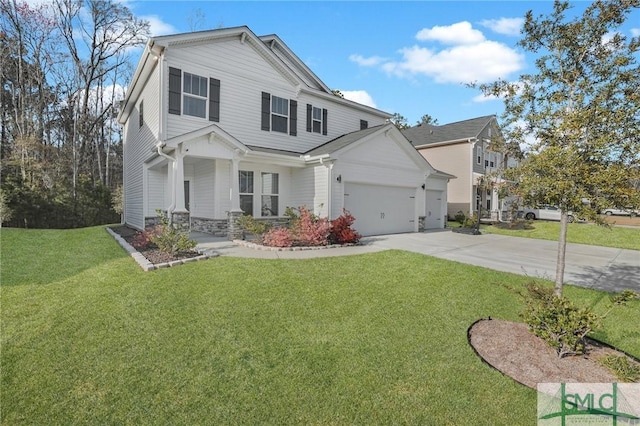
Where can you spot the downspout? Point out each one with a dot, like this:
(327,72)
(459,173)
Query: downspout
(473,195)
(161,153)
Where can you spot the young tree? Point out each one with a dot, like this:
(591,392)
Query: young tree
(400,121)
(581,108)
(427,119)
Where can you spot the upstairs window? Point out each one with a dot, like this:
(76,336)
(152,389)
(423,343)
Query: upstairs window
(194,98)
(316,120)
(479,154)
(141,114)
(193,95)
(364,124)
(279,114)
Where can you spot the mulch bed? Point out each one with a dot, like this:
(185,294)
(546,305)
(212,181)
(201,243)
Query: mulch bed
(512,349)
(151,252)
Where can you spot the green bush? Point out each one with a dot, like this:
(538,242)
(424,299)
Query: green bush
(252,225)
(170,238)
(559,322)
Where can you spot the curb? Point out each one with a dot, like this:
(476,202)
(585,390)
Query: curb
(148,266)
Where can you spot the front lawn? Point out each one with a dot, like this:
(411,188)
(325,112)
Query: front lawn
(579,233)
(89,338)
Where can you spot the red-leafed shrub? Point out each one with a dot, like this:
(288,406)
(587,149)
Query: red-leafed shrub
(277,237)
(144,239)
(341,231)
(310,230)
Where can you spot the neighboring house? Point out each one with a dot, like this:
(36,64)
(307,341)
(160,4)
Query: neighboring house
(463,149)
(221,122)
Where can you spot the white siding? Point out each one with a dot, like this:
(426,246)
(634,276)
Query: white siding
(138,147)
(244,75)
(158,196)
(203,185)
(222,192)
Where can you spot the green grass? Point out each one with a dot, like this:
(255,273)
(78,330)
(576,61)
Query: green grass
(89,338)
(580,233)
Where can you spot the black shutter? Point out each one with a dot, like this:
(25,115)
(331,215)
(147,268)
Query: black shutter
(324,121)
(364,124)
(266,111)
(293,117)
(214,100)
(175,90)
(309,112)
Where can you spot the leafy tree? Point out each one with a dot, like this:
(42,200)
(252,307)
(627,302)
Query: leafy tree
(427,119)
(399,121)
(581,107)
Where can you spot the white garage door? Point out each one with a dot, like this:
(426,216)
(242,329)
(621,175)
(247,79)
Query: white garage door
(434,218)
(380,209)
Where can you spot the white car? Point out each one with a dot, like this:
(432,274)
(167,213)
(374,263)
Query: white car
(545,212)
(628,211)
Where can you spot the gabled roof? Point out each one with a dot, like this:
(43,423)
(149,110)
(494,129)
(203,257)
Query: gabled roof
(270,47)
(342,141)
(426,134)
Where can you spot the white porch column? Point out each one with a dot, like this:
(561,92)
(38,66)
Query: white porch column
(234,191)
(178,175)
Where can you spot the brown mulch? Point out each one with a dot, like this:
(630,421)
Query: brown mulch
(151,252)
(512,349)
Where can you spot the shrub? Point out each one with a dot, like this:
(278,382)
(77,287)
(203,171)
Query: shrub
(170,239)
(252,225)
(341,231)
(143,239)
(559,322)
(278,237)
(309,230)
(460,217)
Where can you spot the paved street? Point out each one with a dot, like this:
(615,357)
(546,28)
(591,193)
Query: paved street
(596,267)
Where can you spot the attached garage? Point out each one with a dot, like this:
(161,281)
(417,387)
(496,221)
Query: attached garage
(381,209)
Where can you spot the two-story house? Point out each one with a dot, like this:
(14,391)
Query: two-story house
(463,149)
(223,122)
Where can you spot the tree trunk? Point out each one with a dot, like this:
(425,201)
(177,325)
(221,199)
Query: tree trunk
(562,248)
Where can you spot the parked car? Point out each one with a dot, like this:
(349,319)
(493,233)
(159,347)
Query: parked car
(627,211)
(544,212)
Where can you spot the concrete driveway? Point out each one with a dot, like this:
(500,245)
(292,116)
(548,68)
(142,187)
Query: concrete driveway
(602,268)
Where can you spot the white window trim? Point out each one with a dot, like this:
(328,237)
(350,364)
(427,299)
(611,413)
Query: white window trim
(195,96)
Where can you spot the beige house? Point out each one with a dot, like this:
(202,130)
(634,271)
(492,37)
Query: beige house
(462,149)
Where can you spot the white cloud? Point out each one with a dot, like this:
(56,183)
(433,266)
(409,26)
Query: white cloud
(158,27)
(635,32)
(506,26)
(360,96)
(482,98)
(482,62)
(366,62)
(459,33)
(469,58)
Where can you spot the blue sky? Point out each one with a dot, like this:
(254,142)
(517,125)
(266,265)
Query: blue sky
(411,58)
